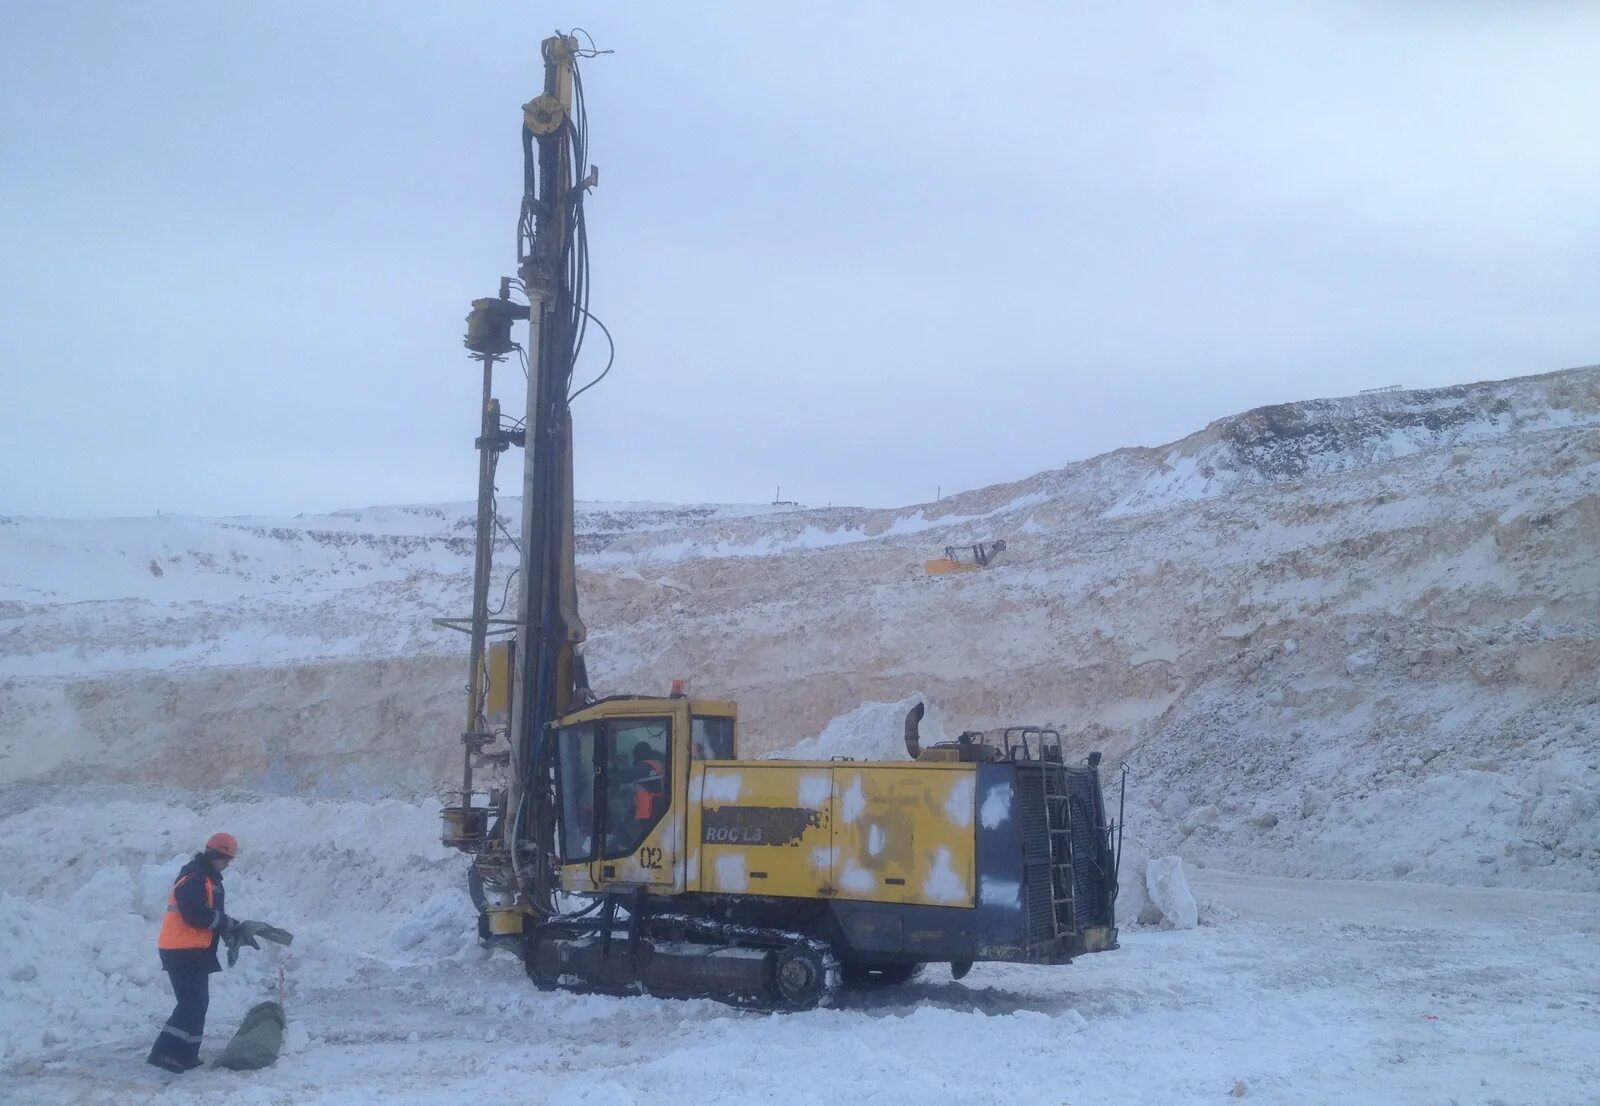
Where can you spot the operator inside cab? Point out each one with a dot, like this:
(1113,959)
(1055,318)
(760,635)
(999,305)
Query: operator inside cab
(636,792)
(649,783)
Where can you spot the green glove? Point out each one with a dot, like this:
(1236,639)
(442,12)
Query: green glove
(240,934)
(236,938)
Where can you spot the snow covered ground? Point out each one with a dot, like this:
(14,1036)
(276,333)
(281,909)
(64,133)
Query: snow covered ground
(1290,991)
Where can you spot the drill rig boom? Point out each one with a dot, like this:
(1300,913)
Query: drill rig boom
(552,264)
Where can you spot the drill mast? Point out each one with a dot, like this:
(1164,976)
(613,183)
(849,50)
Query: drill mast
(552,265)
(513,835)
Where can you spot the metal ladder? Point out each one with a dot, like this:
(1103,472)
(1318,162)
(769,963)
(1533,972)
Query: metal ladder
(1058,825)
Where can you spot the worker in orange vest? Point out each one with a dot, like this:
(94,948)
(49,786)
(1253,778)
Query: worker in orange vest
(194,922)
(649,786)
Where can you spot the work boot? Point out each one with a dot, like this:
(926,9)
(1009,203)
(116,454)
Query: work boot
(167,1063)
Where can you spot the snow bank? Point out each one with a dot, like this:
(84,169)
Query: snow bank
(1170,894)
(873,731)
(1133,900)
(363,886)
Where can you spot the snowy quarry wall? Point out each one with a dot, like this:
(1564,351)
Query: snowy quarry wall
(1350,637)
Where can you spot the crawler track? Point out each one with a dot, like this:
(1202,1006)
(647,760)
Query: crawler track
(682,956)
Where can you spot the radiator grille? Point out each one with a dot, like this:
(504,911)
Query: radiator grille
(1041,913)
(1090,857)
(1091,881)
(1029,800)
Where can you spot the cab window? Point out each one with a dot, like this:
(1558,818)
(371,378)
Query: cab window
(575,763)
(638,783)
(711,738)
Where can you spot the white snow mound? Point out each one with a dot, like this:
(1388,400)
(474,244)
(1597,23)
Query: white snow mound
(1170,894)
(364,887)
(873,731)
(1133,900)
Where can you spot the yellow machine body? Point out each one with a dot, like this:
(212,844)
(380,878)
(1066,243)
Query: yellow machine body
(501,665)
(900,832)
(967,851)
(897,833)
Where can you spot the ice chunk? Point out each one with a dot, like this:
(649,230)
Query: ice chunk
(1132,898)
(1169,891)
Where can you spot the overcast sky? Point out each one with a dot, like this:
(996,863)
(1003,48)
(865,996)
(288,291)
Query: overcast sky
(861,251)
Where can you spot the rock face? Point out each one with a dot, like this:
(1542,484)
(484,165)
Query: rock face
(1334,612)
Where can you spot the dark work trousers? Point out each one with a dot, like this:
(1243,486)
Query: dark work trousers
(178,1046)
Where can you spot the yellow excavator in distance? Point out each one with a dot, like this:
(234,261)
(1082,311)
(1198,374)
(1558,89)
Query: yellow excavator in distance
(983,555)
(621,844)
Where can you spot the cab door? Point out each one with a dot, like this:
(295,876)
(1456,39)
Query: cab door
(639,805)
(577,789)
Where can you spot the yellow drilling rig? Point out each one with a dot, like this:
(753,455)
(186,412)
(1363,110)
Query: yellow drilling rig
(620,844)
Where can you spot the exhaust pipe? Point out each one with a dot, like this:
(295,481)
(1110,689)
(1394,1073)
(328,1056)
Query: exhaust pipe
(913,741)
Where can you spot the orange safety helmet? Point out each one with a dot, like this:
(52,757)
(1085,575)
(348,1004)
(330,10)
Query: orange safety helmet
(225,843)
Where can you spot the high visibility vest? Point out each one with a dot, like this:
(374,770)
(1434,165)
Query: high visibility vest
(179,934)
(649,790)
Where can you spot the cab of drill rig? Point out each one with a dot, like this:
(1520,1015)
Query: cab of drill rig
(622,769)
